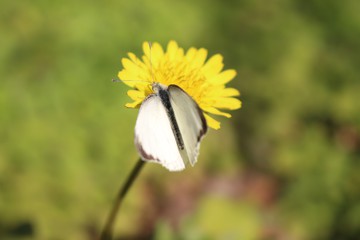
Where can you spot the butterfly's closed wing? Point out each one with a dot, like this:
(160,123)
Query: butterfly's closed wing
(154,137)
(191,121)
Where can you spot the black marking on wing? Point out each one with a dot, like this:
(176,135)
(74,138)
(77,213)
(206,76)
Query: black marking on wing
(144,155)
(203,122)
(165,99)
(204,128)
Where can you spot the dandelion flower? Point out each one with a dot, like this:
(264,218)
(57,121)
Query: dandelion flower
(203,80)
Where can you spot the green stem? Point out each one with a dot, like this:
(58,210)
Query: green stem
(107,231)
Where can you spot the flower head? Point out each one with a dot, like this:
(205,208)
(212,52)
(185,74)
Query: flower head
(203,80)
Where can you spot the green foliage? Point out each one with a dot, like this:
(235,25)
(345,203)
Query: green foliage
(66,141)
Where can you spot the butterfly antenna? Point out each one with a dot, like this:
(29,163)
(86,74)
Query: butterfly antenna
(151,66)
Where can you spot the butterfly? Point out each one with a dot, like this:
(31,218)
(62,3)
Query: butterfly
(169,128)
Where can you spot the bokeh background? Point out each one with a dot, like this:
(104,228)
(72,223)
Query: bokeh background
(286,166)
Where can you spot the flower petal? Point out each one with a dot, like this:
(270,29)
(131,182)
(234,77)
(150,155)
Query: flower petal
(223,77)
(133,57)
(153,52)
(156,53)
(202,79)
(127,75)
(227,103)
(135,104)
(130,65)
(136,60)
(146,48)
(211,122)
(190,54)
(230,92)
(215,111)
(213,66)
(172,50)
(136,95)
(198,58)
(224,92)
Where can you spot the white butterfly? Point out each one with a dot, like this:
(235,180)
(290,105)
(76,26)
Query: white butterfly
(169,128)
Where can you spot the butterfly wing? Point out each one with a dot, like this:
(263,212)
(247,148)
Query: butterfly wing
(154,137)
(190,119)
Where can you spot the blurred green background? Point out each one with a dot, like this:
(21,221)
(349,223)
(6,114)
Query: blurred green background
(286,166)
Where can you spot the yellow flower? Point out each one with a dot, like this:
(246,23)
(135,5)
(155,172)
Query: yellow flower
(203,80)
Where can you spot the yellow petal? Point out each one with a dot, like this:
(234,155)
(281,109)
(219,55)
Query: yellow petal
(126,75)
(215,111)
(203,80)
(223,77)
(136,95)
(146,89)
(135,59)
(131,66)
(229,92)
(211,122)
(135,104)
(199,58)
(132,79)
(214,93)
(227,103)
(172,46)
(146,48)
(213,66)
(156,54)
(180,54)
(190,54)
(172,50)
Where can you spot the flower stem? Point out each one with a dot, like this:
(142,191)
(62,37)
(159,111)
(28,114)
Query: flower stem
(107,231)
